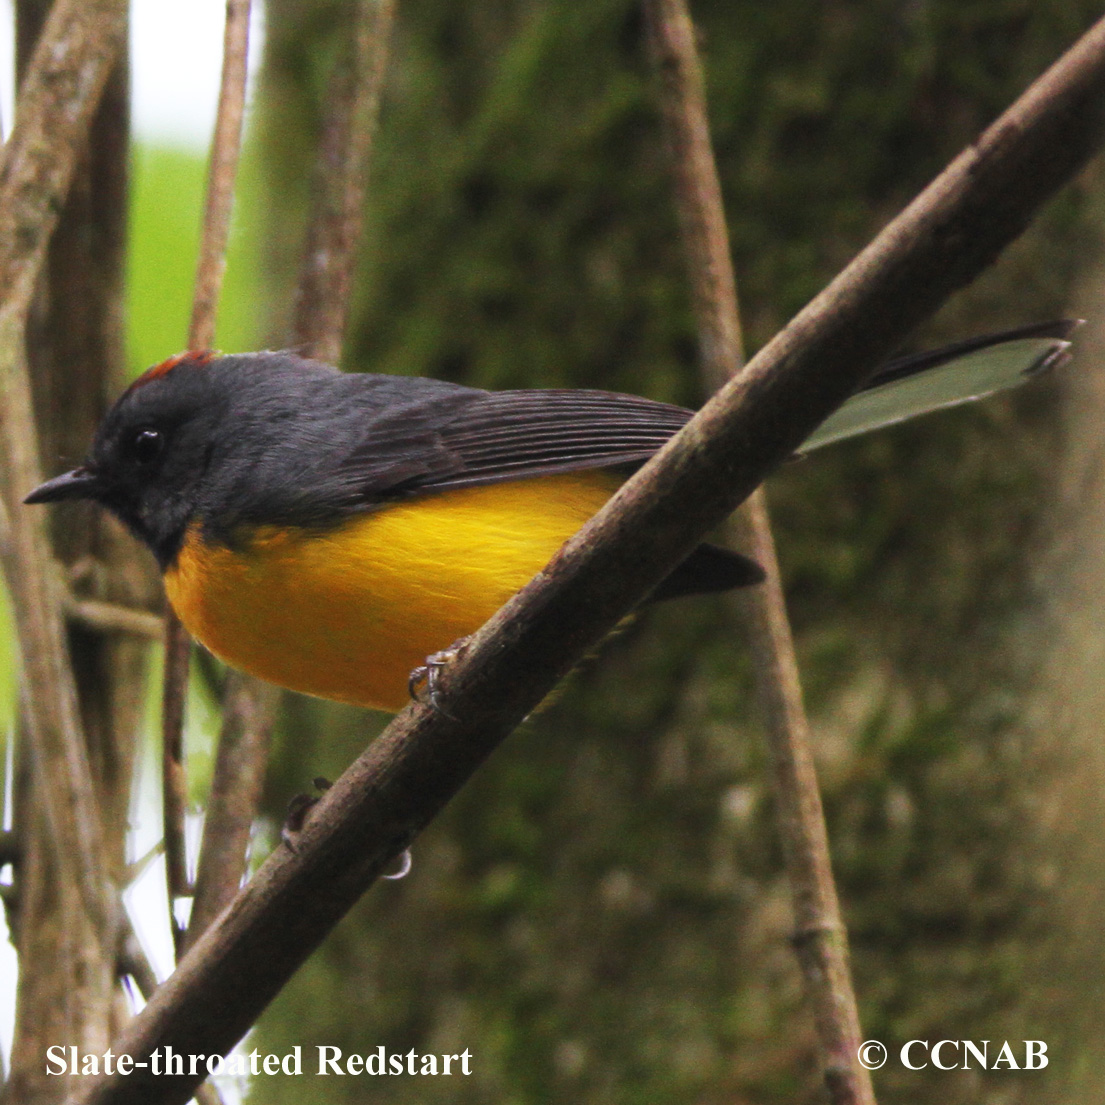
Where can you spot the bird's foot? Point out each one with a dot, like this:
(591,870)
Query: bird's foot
(425,681)
(299,809)
(404,868)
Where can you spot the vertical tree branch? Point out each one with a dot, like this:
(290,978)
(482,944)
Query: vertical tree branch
(79,47)
(820,938)
(74,345)
(226,146)
(249,709)
(174,783)
(322,304)
(326,271)
(221,175)
(65,81)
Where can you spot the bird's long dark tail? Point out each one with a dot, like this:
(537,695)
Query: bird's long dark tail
(707,570)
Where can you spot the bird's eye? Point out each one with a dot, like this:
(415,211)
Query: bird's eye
(146,446)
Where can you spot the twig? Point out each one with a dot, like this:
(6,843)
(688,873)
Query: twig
(222,171)
(133,961)
(945,237)
(226,148)
(68,989)
(174,784)
(111,617)
(137,868)
(322,306)
(822,946)
(5,531)
(326,272)
(820,938)
(249,707)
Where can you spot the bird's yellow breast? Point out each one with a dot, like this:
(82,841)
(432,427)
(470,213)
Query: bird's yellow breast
(347,613)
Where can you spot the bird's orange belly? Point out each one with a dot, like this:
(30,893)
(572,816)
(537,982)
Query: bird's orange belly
(347,613)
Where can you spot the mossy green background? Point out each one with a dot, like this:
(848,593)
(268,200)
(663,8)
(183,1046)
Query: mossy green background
(602,914)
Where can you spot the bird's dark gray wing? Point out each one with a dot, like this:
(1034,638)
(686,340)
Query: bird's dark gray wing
(474,438)
(479,438)
(444,436)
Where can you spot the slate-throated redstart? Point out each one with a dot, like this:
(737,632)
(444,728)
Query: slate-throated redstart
(328,531)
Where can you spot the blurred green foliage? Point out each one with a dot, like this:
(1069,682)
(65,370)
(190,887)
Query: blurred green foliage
(167,190)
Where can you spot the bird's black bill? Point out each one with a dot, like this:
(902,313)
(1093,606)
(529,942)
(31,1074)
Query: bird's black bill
(80,483)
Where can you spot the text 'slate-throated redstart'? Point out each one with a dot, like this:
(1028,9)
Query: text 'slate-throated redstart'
(328,531)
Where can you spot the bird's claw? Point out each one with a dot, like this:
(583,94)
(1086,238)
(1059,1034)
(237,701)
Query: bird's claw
(424,684)
(299,809)
(404,868)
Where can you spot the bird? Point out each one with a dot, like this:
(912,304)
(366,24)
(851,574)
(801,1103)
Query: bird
(328,531)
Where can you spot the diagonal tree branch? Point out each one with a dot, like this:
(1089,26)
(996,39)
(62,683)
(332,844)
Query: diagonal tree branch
(820,938)
(942,240)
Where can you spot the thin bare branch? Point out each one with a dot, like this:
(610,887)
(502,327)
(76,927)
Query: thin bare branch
(329,254)
(137,867)
(133,961)
(698,202)
(945,237)
(820,937)
(110,617)
(5,531)
(249,709)
(222,173)
(322,307)
(174,785)
(80,44)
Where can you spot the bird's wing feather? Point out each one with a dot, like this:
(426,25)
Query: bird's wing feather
(457,437)
(506,435)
